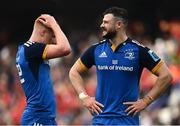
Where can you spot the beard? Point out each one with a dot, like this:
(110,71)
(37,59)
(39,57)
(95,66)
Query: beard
(110,35)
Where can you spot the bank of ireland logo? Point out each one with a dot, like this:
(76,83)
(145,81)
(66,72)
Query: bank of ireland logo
(129,54)
(103,54)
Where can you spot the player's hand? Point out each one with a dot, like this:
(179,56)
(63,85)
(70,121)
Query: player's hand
(135,107)
(48,20)
(92,105)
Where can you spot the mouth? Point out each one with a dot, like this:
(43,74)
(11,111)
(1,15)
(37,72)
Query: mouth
(103,29)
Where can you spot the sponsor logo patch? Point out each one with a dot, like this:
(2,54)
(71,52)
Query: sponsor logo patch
(153,55)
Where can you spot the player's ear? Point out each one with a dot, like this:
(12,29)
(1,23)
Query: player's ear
(119,24)
(42,32)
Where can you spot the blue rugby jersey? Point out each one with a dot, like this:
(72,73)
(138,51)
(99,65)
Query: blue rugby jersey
(35,78)
(118,74)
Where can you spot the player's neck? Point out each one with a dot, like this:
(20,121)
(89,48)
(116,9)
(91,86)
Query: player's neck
(120,38)
(35,38)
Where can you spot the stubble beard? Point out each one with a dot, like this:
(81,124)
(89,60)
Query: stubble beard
(110,35)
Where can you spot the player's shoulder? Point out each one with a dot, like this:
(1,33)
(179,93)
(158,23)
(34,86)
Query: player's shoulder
(99,43)
(137,43)
(95,45)
(29,43)
(34,45)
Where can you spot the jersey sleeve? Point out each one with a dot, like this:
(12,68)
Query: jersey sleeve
(149,59)
(35,50)
(87,58)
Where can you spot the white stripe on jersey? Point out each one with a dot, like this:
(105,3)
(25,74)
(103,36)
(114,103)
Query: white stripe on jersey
(26,44)
(29,42)
(138,43)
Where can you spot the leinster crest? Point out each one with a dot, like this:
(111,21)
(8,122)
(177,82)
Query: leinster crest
(129,54)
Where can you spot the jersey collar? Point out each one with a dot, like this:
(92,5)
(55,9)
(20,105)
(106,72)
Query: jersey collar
(120,45)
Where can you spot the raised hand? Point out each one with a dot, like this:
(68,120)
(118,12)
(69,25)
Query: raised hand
(47,20)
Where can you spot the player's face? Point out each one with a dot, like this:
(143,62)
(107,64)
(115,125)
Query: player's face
(108,26)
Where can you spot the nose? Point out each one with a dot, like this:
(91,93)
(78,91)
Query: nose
(102,25)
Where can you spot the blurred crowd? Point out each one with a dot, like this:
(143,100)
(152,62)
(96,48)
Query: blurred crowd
(164,111)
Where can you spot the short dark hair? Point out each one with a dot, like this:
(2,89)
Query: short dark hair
(119,13)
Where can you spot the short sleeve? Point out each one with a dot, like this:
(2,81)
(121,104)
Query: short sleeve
(149,59)
(87,57)
(34,50)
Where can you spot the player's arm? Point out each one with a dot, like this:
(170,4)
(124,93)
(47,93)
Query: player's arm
(77,81)
(151,61)
(61,47)
(75,76)
(164,78)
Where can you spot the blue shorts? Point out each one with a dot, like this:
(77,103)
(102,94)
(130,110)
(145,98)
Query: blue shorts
(38,121)
(127,120)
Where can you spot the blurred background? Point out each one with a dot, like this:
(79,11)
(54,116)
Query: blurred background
(154,23)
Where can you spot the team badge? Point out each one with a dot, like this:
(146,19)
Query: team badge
(129,54)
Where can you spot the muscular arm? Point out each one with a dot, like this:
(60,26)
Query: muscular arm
(77,81)
(61,47)
(164,78)
(75,76)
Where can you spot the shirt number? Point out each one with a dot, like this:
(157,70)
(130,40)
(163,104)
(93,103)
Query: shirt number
(20,73)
